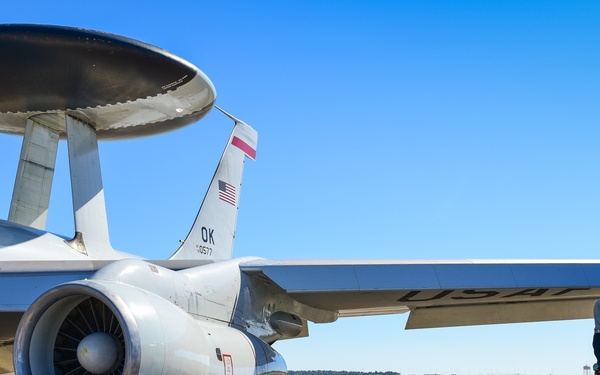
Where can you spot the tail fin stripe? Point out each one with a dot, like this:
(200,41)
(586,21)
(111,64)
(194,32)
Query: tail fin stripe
(249,150)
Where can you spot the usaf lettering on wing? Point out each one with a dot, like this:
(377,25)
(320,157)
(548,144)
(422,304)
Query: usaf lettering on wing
(468,294)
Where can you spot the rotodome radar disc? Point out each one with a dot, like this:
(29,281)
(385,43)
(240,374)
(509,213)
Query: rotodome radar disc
(120,86)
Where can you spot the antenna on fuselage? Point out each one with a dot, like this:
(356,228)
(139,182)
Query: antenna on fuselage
(86,85)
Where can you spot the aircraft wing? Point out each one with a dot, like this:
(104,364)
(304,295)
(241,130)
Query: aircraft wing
(440,293)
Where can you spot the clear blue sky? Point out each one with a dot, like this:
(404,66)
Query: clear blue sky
(388,130)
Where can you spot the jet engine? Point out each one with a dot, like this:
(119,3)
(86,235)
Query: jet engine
(102,327)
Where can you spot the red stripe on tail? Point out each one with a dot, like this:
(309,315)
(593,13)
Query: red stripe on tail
(237,142)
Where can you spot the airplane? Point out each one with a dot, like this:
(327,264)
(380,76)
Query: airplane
(74,305)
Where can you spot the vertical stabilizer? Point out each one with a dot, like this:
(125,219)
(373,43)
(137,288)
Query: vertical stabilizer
(213,232)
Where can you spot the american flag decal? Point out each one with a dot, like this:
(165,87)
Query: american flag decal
(227,192)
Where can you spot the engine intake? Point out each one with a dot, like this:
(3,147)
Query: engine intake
(102,327)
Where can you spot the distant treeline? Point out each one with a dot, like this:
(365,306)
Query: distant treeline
(323,372)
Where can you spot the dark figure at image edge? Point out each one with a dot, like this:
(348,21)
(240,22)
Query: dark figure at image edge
(596,339)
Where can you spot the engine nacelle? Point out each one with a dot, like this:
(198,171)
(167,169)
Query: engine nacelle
(104,327)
